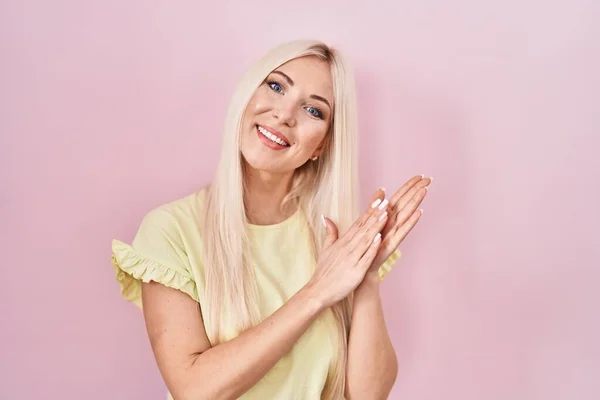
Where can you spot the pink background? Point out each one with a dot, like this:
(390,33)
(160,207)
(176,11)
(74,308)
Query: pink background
(108,109)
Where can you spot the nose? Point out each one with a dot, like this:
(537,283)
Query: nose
(284,114)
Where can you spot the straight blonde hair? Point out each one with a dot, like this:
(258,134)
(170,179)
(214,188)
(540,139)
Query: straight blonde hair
(327,187)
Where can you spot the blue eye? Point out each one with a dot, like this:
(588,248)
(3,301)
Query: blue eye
(315,112)
(276,87)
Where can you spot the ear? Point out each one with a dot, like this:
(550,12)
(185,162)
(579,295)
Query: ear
(318,151)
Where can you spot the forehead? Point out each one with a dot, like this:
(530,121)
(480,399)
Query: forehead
(311,74)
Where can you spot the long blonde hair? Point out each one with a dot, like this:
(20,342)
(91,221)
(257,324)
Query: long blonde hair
(327,186)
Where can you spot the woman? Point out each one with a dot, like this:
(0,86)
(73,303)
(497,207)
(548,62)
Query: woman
(247,290)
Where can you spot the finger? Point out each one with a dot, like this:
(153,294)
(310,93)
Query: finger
(405,188)
(409,208)
(377,197)
(376,207)
(367,258)
(398,205)
(363,239)
(398,200)
(396,237)
(331,232)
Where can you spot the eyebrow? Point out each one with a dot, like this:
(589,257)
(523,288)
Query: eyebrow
(312,96)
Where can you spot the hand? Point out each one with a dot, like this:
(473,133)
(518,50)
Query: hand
(342,263)
(403,216)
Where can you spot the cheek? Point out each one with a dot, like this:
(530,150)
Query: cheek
(253,109)
(314,138)
(258,103)
(253,106)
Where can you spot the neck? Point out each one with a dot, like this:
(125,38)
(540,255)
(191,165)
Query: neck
(264,194)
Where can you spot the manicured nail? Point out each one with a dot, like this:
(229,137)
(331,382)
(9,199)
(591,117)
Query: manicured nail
(375,203)
(383,216)
(383,204)
(323,219)
(377,238)
(422,176)
(431,178)
(420,209)
(382,189)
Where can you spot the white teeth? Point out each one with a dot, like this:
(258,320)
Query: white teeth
(271,137)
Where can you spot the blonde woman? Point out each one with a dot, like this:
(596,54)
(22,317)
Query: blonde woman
(265,285)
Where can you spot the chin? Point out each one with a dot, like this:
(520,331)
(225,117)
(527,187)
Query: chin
(261,163)
(258,157)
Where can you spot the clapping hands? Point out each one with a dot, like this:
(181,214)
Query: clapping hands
(403,215)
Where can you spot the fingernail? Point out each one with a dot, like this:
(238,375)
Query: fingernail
(375,203)
(377,238)
(431,178)
(323,219)
(383,204)
(382,189)
(422,176)
(420,209)
(383,216)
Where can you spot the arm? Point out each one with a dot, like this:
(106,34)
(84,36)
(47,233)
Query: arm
(372,364)
(192,370)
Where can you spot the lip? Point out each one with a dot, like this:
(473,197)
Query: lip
(268,142)
(276,133)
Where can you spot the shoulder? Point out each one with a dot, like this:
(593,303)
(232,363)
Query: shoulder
(177,214)
(183,207)
(171,227)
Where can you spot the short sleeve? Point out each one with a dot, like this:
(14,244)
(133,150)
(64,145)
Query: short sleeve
(386,267)
(157,254)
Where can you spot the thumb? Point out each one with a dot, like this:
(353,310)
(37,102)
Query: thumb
(332,232)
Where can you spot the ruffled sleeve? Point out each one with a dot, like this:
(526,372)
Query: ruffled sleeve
(157,254)
(386,267)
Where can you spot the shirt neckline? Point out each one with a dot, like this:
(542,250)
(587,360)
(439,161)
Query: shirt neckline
(290,220)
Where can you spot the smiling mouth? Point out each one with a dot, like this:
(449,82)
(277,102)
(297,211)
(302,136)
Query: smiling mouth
(272,137)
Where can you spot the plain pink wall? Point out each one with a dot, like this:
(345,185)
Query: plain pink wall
(108,109)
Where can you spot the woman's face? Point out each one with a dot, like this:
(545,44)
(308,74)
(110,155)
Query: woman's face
(288,116)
